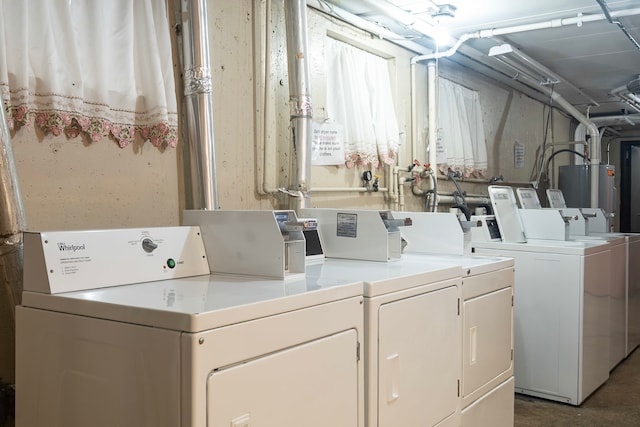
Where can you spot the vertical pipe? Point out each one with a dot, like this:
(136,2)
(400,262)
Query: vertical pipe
(299,99)
(12,224)
(595,149)
(198,99)
(432,101)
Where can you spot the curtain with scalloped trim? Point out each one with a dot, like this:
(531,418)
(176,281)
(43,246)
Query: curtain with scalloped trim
(359,98)
(461,130)
(91,68)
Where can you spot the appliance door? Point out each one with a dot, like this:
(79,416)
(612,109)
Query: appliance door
(487,339)
(314,384)
(418,370)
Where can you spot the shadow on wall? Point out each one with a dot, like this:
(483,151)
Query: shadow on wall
(500,131)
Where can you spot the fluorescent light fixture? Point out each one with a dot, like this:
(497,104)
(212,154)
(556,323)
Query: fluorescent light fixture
(528,68)
(500,50)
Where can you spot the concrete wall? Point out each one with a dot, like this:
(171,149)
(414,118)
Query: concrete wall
(70,184)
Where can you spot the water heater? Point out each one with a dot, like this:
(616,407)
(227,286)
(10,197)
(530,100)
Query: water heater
(575,183)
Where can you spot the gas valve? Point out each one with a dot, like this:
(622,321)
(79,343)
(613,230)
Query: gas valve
(366,177)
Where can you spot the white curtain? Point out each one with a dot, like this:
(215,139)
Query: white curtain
(461,130)
(96,68)
(359,98)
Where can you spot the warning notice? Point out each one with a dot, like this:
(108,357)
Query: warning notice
(328,144)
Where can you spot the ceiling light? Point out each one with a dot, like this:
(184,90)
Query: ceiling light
(527,67)
(442,36)
(445,11)
(500,50)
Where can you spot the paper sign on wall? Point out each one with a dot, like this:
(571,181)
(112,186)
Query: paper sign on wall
(518,155)
(328,144)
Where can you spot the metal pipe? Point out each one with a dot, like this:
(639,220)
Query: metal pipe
(198,99)
(264,136)
(432,105)
(445,199)
(554,23)
(300,103)
(595,148)
(494,32)
(347,190)
(377,30)
(608,14)
(12,224)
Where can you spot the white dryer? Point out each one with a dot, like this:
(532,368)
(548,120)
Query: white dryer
(204,350)
(487,386)
(412,345)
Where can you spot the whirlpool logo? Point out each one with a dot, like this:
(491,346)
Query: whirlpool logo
(71,247)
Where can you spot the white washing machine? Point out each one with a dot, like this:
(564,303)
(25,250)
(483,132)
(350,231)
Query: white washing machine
(586,224)
(561,308)
(629,302)
(487,389)
(412,338)
(204,350)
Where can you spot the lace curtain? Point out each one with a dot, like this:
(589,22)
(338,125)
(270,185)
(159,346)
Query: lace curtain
(359,98)
(96,68)
(461,131)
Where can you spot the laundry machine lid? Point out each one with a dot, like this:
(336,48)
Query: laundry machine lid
(384,277)
(197,303)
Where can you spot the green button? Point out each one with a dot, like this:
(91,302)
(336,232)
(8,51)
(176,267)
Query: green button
(171,263)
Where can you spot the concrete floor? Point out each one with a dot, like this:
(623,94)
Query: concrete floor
(615,404)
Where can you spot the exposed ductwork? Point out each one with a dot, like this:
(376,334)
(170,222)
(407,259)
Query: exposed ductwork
(12,224)
(299,100)
(198,103)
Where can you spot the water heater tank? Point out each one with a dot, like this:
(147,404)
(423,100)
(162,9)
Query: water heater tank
(575,183)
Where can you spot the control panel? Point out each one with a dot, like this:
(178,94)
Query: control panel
(63,261)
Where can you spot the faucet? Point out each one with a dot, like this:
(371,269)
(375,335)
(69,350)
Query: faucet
(495,179)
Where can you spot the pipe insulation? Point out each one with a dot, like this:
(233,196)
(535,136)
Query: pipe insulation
(12,224)
(198,102)
(301,106)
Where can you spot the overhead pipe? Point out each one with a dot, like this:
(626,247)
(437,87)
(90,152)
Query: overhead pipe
(12,224)
(198,101)
(608,14)
(626,96)
(383,33)
(300,104)
(495,32)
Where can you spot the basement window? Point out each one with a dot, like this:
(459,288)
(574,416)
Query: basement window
(461,141)
(359,98)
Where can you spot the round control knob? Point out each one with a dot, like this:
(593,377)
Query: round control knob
(149,245)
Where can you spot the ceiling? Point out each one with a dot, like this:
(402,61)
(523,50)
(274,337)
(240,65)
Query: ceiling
(588,59)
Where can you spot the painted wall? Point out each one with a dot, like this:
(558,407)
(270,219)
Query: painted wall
(251,104)
(71,185)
